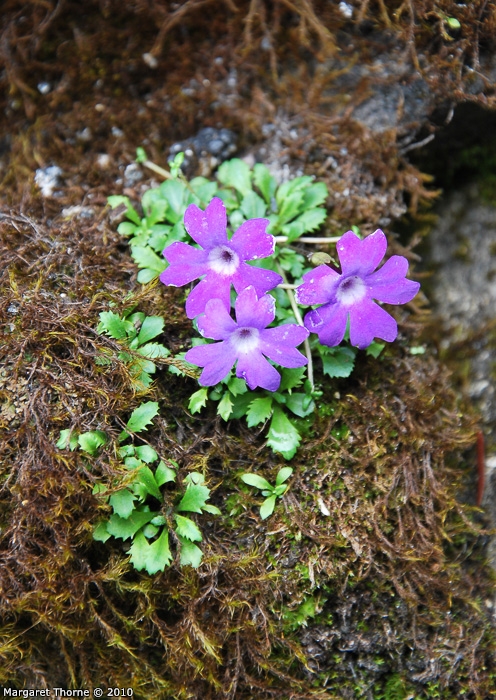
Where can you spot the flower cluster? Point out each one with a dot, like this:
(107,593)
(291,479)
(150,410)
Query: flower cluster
(345,299)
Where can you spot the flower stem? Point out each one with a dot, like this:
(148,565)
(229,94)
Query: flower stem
(289,291)
(308,239)
(157,169)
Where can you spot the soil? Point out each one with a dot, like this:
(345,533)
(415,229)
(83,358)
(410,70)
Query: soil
(370,580)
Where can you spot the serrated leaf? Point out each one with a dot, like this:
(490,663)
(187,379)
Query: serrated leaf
(291,378)
(224,409)
(146,258)
(152,557)
(267,507)
(68,440)
(150,328)
(154,206)
(237,386)
(258,481)
(195,497)
(283,475)
(124,528)
(315,195)
(311,219)
(187,528)
(375,349)
(190,554)
(153,351)
(198,400)
(122,502)
(142,416)
(91,441)
(164,474)
(253,206)
(115,200)
(146,477)
(283,437)
(235,173)
(339,362)
(264,181)
(146,453)
(259,411)
(100,533)
(114,326)
(291,186)
(290,208)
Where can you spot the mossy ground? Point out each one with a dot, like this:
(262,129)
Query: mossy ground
(385,596)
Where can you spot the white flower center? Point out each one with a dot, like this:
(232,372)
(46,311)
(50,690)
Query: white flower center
(223,260)
(245,339)
(351,290)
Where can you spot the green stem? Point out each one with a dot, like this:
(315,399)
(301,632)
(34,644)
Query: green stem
(299,319)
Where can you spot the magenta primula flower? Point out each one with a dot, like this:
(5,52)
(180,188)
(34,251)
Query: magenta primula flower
(220,262)
(350,295)
(246,341)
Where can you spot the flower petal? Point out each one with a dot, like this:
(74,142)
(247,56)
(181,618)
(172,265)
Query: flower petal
(262,280)
(207,228)
(369,321)
(329,322)
(257,371)
(389,284)
(278,344)
(212,287)
(216,322)
(251,241)
(318,286)
(254,312)
(217,359)
(359,257)
(185,264)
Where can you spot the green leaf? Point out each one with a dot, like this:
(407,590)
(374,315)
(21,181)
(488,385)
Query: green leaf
(154,206)
(92,440)
(338,362)
(126,228)
(375,349)
(264,181)
(290,208)
(258,481)
(150,328)
(150,531)
(283,436)
(292,186)
(126,527)
(68,440)
(198,400)
(190,554)
(267,507)
(152,557)
(300,404)
(146,258)
(259,411)
(122,502)
(146,275)
(311,220)
(187,528)
(146,453)
(194,499)
(115,200)
(315,195)
(253,206)
(208,508)
(164,474)
(146,477)
(291,378)
(235,173)
(153,351)
(100,533)
(175,192)
(224,409)
(142,416)
(237,386)
(114,326)
(283,475)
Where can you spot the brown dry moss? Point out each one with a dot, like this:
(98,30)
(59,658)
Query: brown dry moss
(393,571)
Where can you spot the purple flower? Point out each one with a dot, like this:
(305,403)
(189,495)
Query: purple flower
(247,341)
(350,295)
(221,262)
